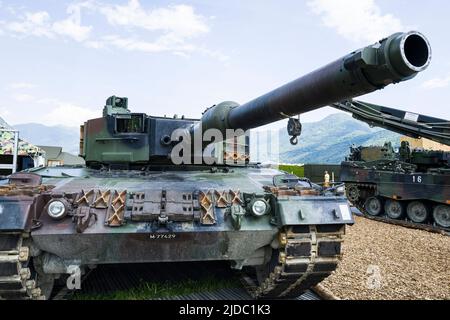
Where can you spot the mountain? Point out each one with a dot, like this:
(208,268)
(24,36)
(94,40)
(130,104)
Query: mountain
(42,135)
(325,141)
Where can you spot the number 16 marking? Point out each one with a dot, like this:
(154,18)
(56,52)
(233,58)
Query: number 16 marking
(417,179)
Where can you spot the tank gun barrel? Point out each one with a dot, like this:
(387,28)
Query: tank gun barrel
(391,60)
(122,137)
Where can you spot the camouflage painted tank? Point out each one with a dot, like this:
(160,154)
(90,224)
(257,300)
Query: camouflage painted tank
(148,194)
(409,187)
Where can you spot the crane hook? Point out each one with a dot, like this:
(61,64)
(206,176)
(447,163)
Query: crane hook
(294,140)
(294,129)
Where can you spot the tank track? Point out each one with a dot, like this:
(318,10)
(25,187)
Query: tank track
(17,280)
(306,256)
(404,222)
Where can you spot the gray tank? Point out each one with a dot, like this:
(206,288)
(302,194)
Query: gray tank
(131,203)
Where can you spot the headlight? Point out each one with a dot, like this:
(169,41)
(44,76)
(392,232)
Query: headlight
(259,207)
(340,190)
(57,209)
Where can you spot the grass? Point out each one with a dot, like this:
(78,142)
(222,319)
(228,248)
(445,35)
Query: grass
(152,290)
(299,171)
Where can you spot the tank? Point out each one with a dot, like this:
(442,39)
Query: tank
(155,189)
(407,187)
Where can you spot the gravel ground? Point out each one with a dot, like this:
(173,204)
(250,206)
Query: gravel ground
(383,261)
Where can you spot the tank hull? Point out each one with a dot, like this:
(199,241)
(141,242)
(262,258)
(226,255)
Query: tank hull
(432,189)
(129,217)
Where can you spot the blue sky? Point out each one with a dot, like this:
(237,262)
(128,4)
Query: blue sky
(60,60)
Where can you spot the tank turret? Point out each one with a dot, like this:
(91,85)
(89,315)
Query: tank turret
(123,137)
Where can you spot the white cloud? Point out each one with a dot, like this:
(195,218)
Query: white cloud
(132,44)
(167,29)
(23,97)
(94,44)
(356,20)
(68,114)
(53,111)
(170,27)
(161,29)
(32,23)
(72,25)
(437,83)
(39,24)
(21,85)
(213,54)
(179,20)
(69,27)
(161,44)
(38,18)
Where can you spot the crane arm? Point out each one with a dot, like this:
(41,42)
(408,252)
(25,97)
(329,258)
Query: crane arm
(404,122)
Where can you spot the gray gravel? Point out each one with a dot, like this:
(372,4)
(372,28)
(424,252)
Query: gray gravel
(383,261)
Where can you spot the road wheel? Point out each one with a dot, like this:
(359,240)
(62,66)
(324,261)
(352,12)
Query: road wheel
(353,193)
(394,209)
(441,215)
(418,212)
(374,206)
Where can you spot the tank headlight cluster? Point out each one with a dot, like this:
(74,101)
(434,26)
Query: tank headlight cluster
(57,209)
(259,207)
(340,190)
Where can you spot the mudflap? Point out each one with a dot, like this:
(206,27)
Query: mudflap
(313,210)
